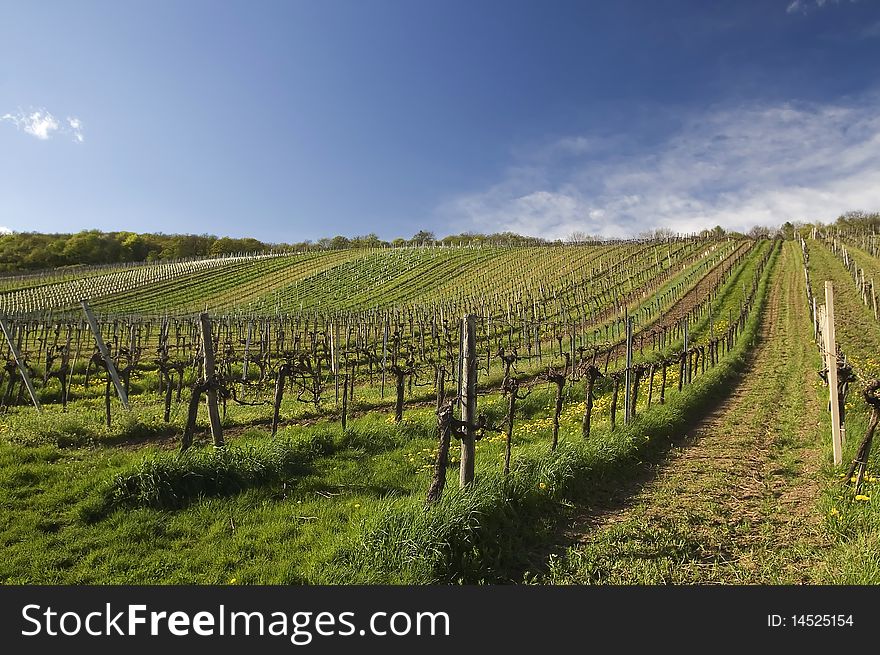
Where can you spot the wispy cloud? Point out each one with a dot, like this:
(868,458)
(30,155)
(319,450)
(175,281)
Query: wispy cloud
(76,127)
(41,124)
(805,6)
(871,31)
(734,167)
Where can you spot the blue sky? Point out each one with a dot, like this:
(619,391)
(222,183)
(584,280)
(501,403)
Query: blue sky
(294,120)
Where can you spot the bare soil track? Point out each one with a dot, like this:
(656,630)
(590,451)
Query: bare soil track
(735,499)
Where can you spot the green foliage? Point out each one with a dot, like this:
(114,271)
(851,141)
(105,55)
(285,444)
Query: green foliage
(172,481)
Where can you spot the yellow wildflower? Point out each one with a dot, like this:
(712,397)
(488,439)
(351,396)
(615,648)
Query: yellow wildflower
(863,497)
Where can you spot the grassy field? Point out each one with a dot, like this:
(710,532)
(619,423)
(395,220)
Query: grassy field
(316,504)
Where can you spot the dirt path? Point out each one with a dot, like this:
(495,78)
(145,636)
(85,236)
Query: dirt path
(735,501)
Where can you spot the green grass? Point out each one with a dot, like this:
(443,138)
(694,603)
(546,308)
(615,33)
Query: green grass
(486,532)
(86,504)
(853,524)
(81,503)
(738,505)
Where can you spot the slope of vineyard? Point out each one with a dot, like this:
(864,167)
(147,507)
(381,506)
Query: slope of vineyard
(457,278)
(333,370)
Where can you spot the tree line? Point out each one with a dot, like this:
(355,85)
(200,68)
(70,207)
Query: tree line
(29,251)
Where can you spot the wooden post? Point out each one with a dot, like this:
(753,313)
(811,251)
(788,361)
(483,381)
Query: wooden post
(210,393)
(111,368)
(344,401)
(20,363)
(444,428)
(468,397)
(874,298)
(513,388)
(627,405)
(247,348)
(831,365)
(815,321)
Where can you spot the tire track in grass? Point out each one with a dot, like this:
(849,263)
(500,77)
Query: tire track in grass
(735,501)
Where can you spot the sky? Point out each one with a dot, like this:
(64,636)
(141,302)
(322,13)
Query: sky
(295,120)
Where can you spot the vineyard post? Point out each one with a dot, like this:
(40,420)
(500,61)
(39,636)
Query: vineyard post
(111,369)
(687,354)
(468,398)
(627,405)
(815,322)
(831,365)
(344,400)
(384,356)
(210,393)
(333,366)
(874,298)
(247,348)
(20,363)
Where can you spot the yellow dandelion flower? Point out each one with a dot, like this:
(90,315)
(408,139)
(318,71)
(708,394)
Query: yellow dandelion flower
(233,580)
(543,485)
(356,505)
(863,497)
(834,511)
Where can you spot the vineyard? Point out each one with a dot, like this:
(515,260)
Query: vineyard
(418,414)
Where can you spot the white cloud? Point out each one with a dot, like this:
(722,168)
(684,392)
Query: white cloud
(805,6)
(76,127)
(41,124)
(5,230)
(734,167)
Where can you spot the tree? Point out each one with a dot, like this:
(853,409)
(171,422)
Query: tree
(578,236)
(135,247)
(423,236)
(91,247)
(370,240)
(339,242)
(656,233)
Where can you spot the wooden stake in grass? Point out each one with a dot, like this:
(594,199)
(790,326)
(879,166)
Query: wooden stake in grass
(681,369)
(637,378)
(589,396)
(663,382)
(441,386)
(614,393)
(557,378)
(468,399)
(105,355)
(22,369)
(831,367)
(107,400)
(283,372)
(444,430)
(344,401)
(192,414)
(211,391)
